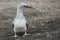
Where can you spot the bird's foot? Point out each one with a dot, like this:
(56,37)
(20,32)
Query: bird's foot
(15,36)
(25,34)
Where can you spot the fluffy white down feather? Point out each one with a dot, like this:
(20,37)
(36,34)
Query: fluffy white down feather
(19,25)
(20,21)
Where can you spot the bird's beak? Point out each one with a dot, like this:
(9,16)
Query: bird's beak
(28,6)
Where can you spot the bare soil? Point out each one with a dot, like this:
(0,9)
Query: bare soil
(44,19)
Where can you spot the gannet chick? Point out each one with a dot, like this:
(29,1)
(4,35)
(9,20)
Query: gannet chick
(20,23)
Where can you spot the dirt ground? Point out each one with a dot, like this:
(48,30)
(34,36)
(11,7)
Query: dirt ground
(44,19)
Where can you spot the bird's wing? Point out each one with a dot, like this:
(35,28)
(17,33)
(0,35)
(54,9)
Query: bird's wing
(12,25)
(27,25)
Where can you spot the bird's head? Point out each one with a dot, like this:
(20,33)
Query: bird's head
(24,5)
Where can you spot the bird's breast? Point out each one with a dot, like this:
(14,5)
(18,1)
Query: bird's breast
(20,23)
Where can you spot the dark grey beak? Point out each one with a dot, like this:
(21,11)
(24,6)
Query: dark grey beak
(27,6)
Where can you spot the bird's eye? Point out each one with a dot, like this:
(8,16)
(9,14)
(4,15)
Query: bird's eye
(24,6)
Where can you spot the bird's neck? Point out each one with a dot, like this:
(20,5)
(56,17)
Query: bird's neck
(19,13)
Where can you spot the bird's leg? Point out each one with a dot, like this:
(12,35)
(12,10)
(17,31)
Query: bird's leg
(25,34)
(15,35)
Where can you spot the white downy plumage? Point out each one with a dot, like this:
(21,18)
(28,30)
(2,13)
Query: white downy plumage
(20,21)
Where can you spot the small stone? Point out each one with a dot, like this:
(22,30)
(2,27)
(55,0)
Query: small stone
(37,34)
(42,24)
